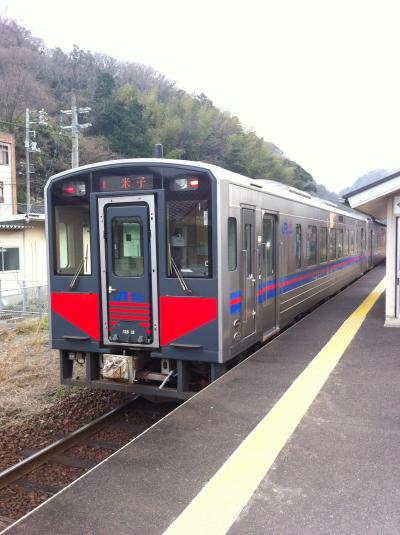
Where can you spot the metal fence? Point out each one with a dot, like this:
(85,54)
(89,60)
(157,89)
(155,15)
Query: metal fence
(23,298)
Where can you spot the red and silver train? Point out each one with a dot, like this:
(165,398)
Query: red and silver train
(164,273)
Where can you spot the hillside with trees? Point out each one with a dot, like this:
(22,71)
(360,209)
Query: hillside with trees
(133,107)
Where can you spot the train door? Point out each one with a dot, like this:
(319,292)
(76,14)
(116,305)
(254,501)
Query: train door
(267,274)
(247,267)
(128,271)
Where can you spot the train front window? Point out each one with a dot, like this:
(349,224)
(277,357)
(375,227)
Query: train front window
(72,233)
(188,237)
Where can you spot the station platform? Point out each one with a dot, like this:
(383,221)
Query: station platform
(301,438)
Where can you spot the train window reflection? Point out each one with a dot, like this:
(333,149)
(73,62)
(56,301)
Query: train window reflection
(323,244)
(188,237)
(332,243)
(298,246)
(72,236)
(311,245)
(339,237)
(127,246)
(268,242)
(232,244)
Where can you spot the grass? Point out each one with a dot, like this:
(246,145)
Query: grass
(29,370)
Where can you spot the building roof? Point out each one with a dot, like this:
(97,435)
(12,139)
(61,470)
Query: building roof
(372,199)
(372,184)
(14,227)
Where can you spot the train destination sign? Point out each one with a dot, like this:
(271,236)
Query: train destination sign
(126,182)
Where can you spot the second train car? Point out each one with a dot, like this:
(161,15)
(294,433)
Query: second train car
(163,273)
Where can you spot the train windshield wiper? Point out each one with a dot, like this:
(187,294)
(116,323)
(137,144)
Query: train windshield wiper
(78,271)
(173,267)
(82,263)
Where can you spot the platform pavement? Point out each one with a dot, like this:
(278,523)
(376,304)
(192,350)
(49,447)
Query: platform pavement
(327,477)
(340,471)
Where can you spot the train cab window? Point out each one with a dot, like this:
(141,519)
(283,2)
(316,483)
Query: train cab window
(345,242)
(311,245)
(72,236)
(268,244)
(323,244)
(332,243)
(127,246)
(188,237)
(232,244)
(298,246)
(339,239)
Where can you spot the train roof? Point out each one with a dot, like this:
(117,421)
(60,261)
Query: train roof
(272,187)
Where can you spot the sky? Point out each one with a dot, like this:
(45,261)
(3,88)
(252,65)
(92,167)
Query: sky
(319,78)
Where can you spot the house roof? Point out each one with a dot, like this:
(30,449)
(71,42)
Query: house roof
(14,227)
(372,199)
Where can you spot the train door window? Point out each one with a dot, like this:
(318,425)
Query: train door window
(345,242)
(298,246)
(362,244)
(323,244)
(268,243)
(127,246)
(351,241)
(248,247)
(311,245)
(232,244)
(332,243)
(339,239)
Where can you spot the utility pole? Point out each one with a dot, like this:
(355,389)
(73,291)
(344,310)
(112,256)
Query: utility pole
(31,146)
(27,162)
(74,127)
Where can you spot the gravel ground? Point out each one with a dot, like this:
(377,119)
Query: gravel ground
(63,416)
(15,502)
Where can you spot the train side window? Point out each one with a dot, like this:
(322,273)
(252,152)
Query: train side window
(298,246)
(346,242)
(311,245)
(332,243)
(339,239)
(323,244)
(268,242)
(232,243)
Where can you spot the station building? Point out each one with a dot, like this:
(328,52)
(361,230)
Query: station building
(381,200)
(22,236)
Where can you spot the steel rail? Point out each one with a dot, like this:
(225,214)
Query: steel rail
(11,474)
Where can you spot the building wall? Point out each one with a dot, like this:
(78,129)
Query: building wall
(32,258)
(8,177)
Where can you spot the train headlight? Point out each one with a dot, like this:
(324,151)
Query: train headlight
(74,189)
(182,184)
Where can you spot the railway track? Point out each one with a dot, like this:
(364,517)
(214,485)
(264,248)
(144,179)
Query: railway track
(43,472)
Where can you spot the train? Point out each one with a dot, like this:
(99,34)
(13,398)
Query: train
(163,273)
